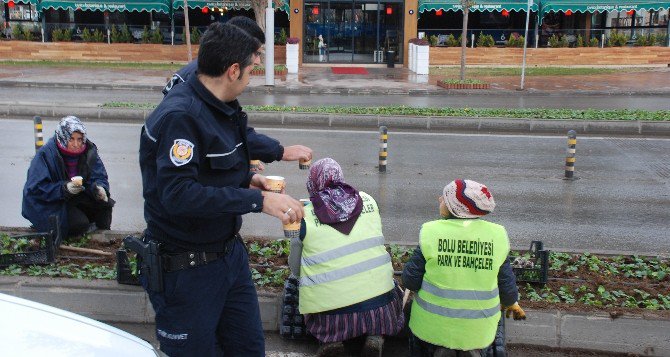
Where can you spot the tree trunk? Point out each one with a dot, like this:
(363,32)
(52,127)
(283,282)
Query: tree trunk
(187,32)
(464,38)
(259,12)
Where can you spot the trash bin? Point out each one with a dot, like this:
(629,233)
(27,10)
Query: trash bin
(390,59)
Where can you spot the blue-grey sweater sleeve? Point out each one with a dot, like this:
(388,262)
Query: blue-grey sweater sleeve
(263,147)
(509,292)
(415,268)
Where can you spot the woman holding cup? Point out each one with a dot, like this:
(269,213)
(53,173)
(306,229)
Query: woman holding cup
(66,178)
(346,278)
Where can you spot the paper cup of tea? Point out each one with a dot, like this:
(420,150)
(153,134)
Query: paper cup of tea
(292,230)
(254,165)
(276,183)
(304,164)
(77,180)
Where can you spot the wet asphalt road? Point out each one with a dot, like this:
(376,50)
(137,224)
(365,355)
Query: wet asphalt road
(87,97)
(621,200)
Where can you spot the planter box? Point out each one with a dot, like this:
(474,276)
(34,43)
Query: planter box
(292,57)
(583,56)
(410,57)
(463,85)
(103,52)
(261,72)
(422,58)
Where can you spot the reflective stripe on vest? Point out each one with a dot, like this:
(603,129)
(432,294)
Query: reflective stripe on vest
(457,313)
(346,271)
(458,305)
(344,250)
(458,294)
(338,270)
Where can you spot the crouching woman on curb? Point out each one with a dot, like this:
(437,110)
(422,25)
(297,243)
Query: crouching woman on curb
(461,275)
(66,178)
(346,277)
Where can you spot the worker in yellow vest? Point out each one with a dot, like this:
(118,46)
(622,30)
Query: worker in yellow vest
(346,278)
(461,276)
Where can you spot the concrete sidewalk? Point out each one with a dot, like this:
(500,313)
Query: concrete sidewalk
(321,80)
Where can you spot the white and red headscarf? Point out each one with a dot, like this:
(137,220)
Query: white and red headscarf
(468,199)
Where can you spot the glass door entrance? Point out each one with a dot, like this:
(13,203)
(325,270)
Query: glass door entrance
(351,31)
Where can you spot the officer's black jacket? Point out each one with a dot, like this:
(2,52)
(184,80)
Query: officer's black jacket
(195,170)
(261,147)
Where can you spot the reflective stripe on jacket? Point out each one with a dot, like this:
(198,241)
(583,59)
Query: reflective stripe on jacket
(458,306)
(338,270)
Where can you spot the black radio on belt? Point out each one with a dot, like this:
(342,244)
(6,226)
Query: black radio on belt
(150,263)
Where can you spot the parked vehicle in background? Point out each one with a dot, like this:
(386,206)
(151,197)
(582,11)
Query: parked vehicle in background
(28,328)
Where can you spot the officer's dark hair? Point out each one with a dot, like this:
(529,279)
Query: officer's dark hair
(223,45)
(248,25)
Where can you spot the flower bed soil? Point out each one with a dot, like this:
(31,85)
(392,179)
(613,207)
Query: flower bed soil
(616,286)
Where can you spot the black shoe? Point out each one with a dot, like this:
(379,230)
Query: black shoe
(91,228)
(333,349)
(373,346)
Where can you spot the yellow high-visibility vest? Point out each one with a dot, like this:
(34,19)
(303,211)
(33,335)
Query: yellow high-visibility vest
(338,270)
(458,305)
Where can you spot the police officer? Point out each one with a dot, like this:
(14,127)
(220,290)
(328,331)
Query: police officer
(261,147)
(194,158)
(461,275)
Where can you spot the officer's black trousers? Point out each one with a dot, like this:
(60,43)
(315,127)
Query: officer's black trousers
(210,310)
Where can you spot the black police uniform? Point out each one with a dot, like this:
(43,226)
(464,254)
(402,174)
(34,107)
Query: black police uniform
(261,147)
(195,173)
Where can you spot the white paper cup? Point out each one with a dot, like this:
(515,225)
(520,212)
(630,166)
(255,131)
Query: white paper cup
(276,183)
(78,180)
(292,230)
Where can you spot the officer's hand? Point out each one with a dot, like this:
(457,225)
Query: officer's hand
(259,182)
(284,207)
(516,311)
(259,167)
(73,188)
(297,152)
(100,193)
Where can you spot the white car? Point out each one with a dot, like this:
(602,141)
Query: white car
(29,329)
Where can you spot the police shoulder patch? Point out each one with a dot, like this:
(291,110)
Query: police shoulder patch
(181,152)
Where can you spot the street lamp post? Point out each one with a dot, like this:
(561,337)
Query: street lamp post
(525,45)
(269,45)
(187,32)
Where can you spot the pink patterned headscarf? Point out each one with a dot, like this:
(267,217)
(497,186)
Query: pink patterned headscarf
(335,202)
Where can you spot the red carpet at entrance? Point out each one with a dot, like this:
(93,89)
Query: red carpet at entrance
(349,70)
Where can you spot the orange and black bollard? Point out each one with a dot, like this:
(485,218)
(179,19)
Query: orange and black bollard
(39,138)
(570,158)
(383,154)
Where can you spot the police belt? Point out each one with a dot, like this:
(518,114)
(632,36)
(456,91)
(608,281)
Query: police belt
(179,261)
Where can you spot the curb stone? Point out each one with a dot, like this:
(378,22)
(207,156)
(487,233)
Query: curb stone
(307,89)
(319,120)
(110,302)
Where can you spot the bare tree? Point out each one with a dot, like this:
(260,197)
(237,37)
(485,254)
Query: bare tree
(259,7)
(465,5)
(187,32)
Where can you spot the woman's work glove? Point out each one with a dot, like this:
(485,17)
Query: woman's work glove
(73,189)
(100,193)
(516,311)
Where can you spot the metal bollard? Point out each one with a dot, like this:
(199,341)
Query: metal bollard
(39,138)
(570,159)
(383,140)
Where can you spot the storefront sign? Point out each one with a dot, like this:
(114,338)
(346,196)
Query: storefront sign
(100,6)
